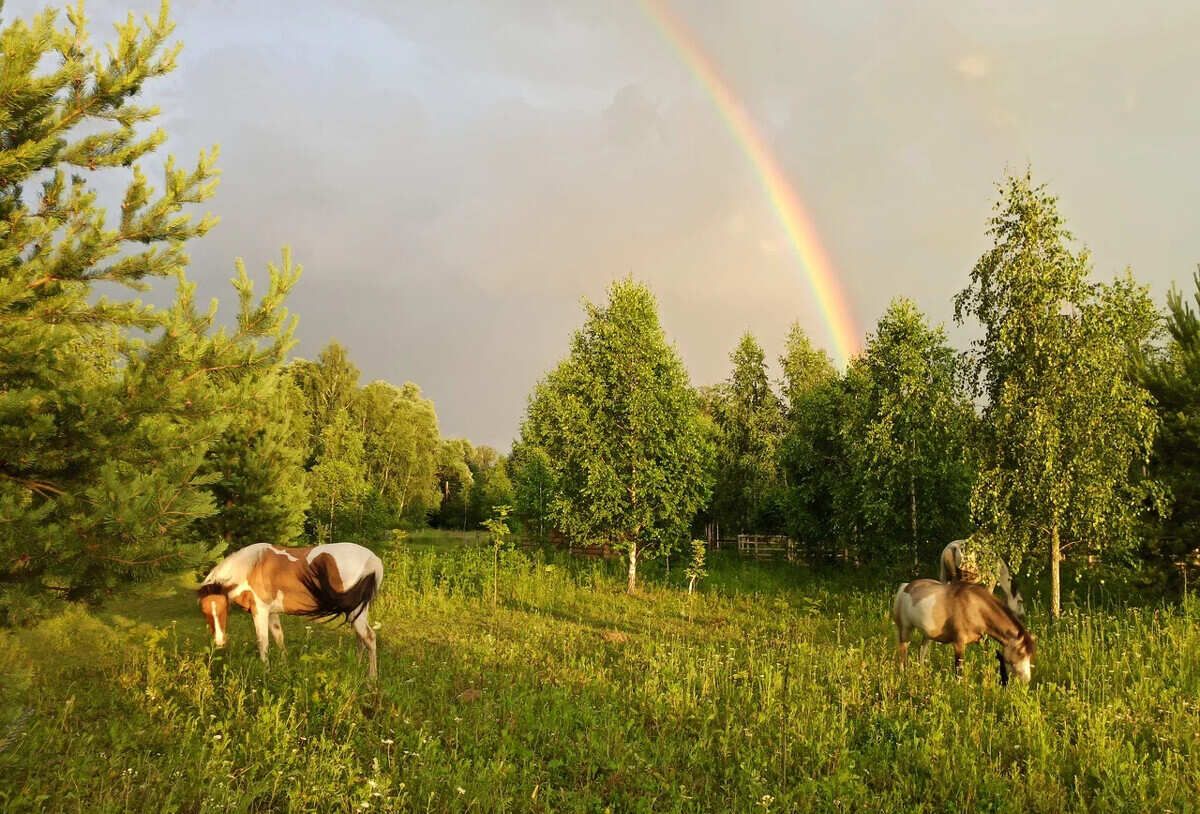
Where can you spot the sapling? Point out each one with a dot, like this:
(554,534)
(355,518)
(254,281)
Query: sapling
(695,570)
(498,531)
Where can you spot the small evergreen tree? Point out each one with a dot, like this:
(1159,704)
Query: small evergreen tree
(108,408)
(260,491)
(1172,375)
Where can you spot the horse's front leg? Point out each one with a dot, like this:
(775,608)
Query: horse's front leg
(262,626)
(366,637)
(276,630)
(959,648)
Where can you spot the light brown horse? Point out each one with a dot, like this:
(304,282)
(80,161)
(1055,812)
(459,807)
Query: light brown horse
(961,613)
(322,582)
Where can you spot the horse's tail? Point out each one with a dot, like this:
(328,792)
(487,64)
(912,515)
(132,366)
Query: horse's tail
(330,603)
(896,603)
(951,562)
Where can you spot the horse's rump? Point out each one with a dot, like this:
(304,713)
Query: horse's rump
(331,602)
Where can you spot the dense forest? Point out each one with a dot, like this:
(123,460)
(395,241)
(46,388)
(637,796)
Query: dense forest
(136,439)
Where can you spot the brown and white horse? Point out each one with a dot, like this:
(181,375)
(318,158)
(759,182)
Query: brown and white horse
(969,561)
(322,582)
(961,613)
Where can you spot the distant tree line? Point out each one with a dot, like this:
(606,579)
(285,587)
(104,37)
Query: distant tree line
(137,439)
(1067,430)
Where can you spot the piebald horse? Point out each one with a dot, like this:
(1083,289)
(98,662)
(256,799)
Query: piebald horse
(965,561)
(961,613)
(321,582)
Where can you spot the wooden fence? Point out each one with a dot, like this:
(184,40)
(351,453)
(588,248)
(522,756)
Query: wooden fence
(766,546)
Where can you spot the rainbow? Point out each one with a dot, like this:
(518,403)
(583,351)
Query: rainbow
(799,227)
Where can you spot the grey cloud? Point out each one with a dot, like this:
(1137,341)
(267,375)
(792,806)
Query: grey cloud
(457,176)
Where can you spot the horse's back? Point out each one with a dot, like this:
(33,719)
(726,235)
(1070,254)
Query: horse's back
(922,604)
(237,566)
(353,561)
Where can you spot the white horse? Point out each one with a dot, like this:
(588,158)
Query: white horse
(967,561)
(322,582)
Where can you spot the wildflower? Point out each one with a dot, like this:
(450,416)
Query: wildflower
(386,741)
(216,737)
(461,790)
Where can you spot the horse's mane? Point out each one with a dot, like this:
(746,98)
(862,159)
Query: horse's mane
(1022,633)
(211,589)
(235,568)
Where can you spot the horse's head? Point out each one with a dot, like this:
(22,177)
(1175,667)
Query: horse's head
(214,604)
(1018,655)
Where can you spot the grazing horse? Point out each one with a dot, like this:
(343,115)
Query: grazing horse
(961,613)
(321,582)
(968,561)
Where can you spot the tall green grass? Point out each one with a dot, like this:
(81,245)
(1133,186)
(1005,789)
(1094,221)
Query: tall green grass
(772,689)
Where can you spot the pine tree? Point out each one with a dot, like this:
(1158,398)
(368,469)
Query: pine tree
(107,407)
(261,493)
(1172,375)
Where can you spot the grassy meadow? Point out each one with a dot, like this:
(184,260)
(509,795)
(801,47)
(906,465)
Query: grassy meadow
(771,689)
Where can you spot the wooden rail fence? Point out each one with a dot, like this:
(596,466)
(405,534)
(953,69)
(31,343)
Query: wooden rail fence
(766,546)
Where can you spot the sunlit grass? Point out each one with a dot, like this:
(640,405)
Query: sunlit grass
(770,689)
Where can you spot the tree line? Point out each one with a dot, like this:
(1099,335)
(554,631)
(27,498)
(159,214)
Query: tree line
(137,439)
(1067,429)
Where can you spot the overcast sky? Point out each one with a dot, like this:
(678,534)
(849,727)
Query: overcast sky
(456,177)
